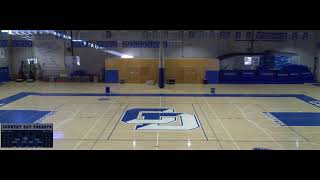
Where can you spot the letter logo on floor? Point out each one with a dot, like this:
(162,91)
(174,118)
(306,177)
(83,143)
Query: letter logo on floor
(316,103)
(160,119)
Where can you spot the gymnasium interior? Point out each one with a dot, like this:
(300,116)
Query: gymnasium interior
(161,89)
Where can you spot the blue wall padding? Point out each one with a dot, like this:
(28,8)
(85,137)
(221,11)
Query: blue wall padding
(161,78)
(4,74)
(266,75)
(248,75)
(1,75)
(212,77)
(298,118)
(112,76)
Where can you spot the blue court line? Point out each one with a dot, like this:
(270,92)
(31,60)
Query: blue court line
(167,95)
(302,97)
(21,95)
(13,98)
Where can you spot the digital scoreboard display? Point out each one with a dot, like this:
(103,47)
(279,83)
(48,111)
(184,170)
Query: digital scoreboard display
(26,135)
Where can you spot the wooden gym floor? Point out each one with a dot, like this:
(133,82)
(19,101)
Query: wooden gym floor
(85,119)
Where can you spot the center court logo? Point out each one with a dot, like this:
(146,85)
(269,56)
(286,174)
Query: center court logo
(160,119)
(316,103)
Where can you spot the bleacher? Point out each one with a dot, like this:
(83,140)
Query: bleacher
(288,74)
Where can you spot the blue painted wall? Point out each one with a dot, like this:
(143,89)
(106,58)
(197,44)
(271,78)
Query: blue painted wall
(212,77)
(111,76)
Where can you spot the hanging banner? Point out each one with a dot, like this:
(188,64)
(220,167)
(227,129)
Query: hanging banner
(50,54)
(3,59)
(2,54)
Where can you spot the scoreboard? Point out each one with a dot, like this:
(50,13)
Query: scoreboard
(26,135)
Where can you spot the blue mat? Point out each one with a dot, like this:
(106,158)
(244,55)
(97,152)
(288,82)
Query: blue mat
(297,118)
(21,116)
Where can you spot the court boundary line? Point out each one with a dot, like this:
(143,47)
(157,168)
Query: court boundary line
(21,95)
(104,129)
(205,116)
(219,120)
(292,129)
(18,96)
(91,128)
(164,140)
(200,122)
(125,109)
(257,125)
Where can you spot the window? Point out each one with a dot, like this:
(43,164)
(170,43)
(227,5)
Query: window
(256,60)
(32,61)
(247,61)
(248,35)
(294,36)
(77,59)
(305,36)
(108,34)
(238,35)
